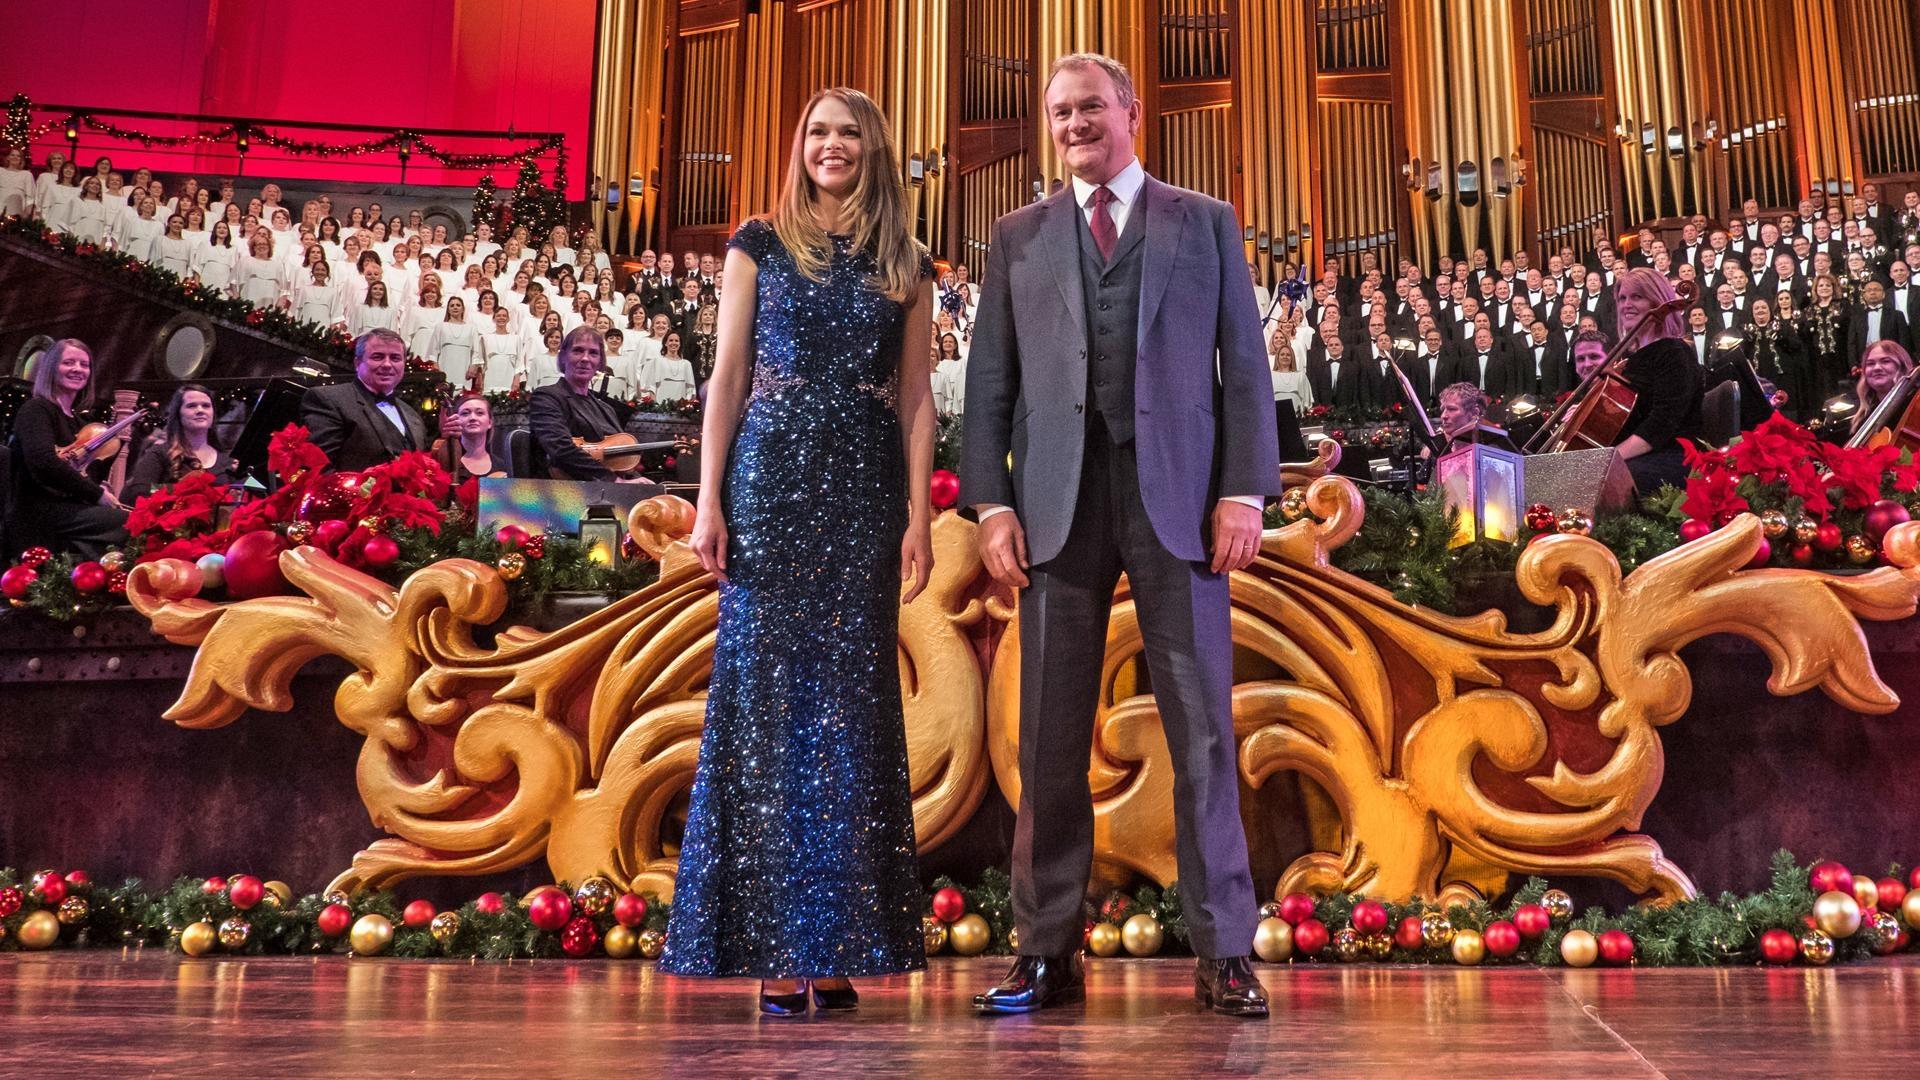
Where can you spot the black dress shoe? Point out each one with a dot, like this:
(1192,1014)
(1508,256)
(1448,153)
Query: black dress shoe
(1230,987)
(794,1004)
(842,1000)
(1035,982)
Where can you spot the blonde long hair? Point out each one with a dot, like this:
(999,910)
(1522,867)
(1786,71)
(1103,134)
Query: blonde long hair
(876,210)
(1652,285)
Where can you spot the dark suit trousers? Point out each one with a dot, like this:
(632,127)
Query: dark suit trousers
(1183,611)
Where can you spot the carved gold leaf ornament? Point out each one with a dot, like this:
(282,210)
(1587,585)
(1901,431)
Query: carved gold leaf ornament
(1441,742)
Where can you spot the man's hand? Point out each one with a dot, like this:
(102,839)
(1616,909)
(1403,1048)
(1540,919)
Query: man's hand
(1003,547)
(1236,536)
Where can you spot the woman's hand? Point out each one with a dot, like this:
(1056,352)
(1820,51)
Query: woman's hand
(916,559)
(107,498)
(709,539)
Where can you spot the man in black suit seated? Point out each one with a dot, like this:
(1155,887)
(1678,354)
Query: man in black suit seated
(361,424)
(560,412)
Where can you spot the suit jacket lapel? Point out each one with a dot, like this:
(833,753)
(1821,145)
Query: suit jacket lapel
(1166,218)
(1060,236)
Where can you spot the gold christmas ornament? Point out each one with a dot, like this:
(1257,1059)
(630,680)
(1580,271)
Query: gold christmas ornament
(1558,904)
(1806,530)
(970,935)
(1579,949)
(73,911)
(1837,914)
(1378,946)
(1013,938)
(280,892)
(196,940)
(1293,504)
(1270,909)
(1910,910)
(512,565)
(1435,929)
(445,927)
(595,895)
(371,935)
(1468,949)
(1574,521)
(113,561)
(39,931)
(1888,928)
(300,532)
(1816,947)
(933,933)
(621,942)
(1774,523)
(1142,935)
(652,943)
(1104,941)
(1273,940)
(234,933)
(1860,550)
(1865,892)
(1346,944)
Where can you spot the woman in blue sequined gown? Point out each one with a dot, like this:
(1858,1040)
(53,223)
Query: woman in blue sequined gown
(798,864)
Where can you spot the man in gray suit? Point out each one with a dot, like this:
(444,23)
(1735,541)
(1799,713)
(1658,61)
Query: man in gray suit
(1117,357)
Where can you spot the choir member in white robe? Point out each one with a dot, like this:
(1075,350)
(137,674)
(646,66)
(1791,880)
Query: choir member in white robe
(673,373)
(257,273)
(453,344)
(216,261)
(372,311)
(16,184)
(544,368)
(44,183)
(500,352)
(57,198)
(319,300)
(89,216)
(170,250)
(422,319)
(138,233)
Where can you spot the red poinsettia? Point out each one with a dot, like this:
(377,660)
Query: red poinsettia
(187,508)
(1858,473)
(1775,450)
(1711,489)
(291,450)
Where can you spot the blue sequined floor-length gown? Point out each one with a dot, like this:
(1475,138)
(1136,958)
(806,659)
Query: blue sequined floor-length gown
(798,860)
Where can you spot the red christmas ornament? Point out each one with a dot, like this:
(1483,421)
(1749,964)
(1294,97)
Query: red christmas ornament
(1802,554)
(50,887)
(1693,529)
(418,913)
(1761,555)
(1778,947)
(89,577)
(945,489)
(490,904)
(1369,917)
(1828,537)
(1408,934)
(1913,878)
(579,938)
(17,580)
(1540,517)
(629,548)
(331,499)
(1532,920)
(630,910)
(1296,908)
(949,904)
(1616,947)
(535,546)
(10,901)
(379,551)
(1882,516)
(550,909)
(33,557)
(334,919)
(1309,936)
(1891,893)
(80,879)
(510,536)
(117,582)
(1829,877)
(253,565)
(328,534)
(245,891)
(214,886)
(1501,938)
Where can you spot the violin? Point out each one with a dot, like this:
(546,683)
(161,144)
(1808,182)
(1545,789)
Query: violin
(620,452)
(1597,410)
(99,442)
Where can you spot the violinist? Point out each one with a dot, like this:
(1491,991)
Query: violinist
(1882,367)
(1661,369)
(55,504)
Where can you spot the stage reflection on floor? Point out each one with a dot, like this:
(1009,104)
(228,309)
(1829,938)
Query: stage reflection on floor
(105,1014)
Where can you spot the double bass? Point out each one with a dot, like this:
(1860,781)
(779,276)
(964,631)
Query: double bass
(1597,410)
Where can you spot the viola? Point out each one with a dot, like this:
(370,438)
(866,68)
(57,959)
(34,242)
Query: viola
(1597,410)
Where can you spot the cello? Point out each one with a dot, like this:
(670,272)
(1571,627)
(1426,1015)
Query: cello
(1895,421)
(1597,410)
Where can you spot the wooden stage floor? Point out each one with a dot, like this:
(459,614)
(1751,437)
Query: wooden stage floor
(103,1013)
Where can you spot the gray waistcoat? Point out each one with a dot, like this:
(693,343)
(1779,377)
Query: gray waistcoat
(1112,292)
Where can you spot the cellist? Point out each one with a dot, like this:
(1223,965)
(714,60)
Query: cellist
(1661,369)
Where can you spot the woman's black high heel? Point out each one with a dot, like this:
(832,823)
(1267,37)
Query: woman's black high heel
(794,1004)
(844,1000)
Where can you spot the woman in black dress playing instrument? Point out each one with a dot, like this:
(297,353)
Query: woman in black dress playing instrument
(1661,369)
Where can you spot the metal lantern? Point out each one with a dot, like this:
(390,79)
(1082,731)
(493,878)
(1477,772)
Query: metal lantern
(600,534)
(1486,485)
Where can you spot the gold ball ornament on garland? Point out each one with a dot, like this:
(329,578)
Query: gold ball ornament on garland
(621,942)
(1558,904)
(234,934)
(933,934)
(1104,941)
(1860,550)
(1293,504)
(1435,929)
(371,935)
(595,895)
(970,935)
(278,894)
(1579,949)
(73,911)
(1377,946)
(1270,910)
(1805,530)
(198,939)
(1347,945)
(299,532)
(1887,929)
(1910,910)
(1815,947)
(512,565)
(1865,892)
(1574,522)
(445,927)
(1837,914)
(1774,523)
(1273,940)
(1142,935)
(113,560)
(1468,947)
(652,943)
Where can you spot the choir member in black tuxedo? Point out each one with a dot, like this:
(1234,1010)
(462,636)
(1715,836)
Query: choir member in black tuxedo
(1782,276)
(1661,369)
(1383,384)
(1699,336)
(571,408)
(1430,366)
(1903,293)
(1726,315)
(360,424)
(682,311)
(1338,377)
(1874,320)
(1906,223)
(1541,365)
(1487,365)
(54,504)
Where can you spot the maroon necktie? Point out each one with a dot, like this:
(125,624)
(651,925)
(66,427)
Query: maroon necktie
(1102,223)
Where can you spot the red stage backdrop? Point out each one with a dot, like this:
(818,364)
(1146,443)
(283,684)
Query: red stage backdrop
(477,64)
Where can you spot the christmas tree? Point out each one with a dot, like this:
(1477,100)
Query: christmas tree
(484,209)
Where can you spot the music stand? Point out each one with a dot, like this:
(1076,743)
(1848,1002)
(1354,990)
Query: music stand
(1293,445)
(277,406)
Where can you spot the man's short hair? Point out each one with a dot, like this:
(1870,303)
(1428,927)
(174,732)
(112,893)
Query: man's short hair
(1471,396)
(1117,71)
(367,339)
